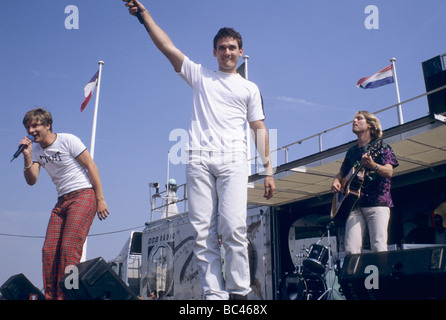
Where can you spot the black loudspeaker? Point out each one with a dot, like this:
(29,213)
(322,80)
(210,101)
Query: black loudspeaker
(95,281)
(18,287)
(434,71)
(395,275)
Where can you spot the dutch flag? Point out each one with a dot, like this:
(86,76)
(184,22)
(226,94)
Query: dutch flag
(381,78)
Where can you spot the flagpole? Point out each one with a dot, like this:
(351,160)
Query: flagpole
(248,128)
(246,57)
(93,139)
(95,116)
(395,78)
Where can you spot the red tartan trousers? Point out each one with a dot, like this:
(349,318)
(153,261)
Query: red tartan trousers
(67,231)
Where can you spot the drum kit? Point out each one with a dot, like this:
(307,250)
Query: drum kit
(314,276)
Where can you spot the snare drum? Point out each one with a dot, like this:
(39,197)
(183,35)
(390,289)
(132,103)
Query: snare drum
(296,286)
(317,259)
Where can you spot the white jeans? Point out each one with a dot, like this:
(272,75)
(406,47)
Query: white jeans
(377,220)
(217,196)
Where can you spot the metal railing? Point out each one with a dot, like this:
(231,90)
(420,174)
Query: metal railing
(285,148)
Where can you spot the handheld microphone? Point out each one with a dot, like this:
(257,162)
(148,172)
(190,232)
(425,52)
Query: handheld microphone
(138,14)
(22,147)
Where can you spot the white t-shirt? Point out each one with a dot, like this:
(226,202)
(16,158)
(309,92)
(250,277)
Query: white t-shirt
(222,103)
(59,159)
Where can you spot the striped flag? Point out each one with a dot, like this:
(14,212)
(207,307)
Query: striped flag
(381,78)
(88,90)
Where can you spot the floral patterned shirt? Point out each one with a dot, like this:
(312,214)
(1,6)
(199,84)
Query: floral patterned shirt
(375,190)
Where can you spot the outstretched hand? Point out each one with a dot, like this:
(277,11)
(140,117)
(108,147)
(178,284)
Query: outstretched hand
(135,8)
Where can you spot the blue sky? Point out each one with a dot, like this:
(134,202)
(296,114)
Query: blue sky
(305,56)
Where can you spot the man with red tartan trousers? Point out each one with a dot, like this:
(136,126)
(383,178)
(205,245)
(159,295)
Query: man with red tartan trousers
(79,189)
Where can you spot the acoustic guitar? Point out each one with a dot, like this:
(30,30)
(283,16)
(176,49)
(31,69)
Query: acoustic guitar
(344,201)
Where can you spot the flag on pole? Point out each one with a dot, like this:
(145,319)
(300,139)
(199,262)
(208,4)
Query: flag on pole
(241,70)
(88,90)
(381,78)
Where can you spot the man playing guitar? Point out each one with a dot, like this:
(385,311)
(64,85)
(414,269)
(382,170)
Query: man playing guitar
(377,160)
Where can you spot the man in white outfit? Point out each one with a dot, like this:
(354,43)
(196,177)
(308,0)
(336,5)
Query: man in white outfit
(217,171)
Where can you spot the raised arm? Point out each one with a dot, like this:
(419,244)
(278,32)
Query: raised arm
(158,36)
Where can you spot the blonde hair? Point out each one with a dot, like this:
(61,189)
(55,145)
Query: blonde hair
(376,131)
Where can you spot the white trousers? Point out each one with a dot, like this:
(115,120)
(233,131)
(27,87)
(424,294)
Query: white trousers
(377,221)
(217,197)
